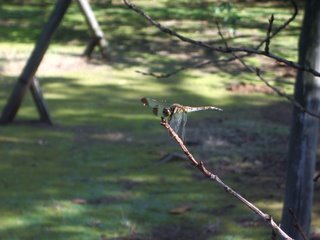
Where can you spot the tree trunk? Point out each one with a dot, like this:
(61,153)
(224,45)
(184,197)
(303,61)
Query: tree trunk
(304,129)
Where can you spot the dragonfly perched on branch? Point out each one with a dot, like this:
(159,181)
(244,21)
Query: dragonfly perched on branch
(175,113)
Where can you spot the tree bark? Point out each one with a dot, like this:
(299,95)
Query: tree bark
(304,129)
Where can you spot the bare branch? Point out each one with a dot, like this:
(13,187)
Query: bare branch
(201,167)
(284,95)
(166,75)
(233,51)
(202,44)
(205,63)
(258,73)
(223,39)
(284,25)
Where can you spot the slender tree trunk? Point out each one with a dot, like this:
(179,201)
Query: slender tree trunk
(97,34)
(304,128)
(25,80)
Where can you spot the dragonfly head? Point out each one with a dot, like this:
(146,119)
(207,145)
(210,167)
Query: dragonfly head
(144,101)
(166,112)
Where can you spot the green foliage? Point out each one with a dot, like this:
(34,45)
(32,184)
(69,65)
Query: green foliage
(226,12)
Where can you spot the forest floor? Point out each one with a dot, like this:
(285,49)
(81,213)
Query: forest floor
(99,172)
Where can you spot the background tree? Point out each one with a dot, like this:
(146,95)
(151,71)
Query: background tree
(304,129)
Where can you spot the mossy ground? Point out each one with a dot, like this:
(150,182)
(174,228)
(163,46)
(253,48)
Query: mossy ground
(96,174)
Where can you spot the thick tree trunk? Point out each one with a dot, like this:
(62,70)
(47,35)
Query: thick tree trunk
(304,129)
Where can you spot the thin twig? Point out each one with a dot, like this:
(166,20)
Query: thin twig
(284,25)
(297,225)
(284,95)
(223,39)
(257,71)
(201,167)
(267,46)
(207,62)
(167,75)
(205,45)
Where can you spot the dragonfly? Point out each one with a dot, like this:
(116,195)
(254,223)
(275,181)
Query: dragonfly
(175,113)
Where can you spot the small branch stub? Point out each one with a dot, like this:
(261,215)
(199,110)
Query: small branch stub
(266,49)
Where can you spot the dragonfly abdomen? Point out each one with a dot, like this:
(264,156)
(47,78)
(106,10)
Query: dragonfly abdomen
(203,108)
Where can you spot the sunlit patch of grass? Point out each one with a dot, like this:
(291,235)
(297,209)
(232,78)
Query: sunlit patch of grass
(274,208)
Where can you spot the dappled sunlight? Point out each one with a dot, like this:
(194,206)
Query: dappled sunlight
(43,220)
(113,137)
(9,139)
(58,208)
(43,213)
(98,172)
(56,96)
(274,208)
(316,221)
(12,222)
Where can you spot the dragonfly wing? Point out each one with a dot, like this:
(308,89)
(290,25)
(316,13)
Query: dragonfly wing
(178,123)
(175,122)
(196,109)
(183,129)
(157,106)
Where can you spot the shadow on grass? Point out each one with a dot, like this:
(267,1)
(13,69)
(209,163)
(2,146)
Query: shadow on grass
(95,173)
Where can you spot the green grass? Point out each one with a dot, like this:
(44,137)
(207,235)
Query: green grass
(95,173)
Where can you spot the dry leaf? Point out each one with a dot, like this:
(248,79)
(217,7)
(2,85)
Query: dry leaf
(181,209)
(79,201)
